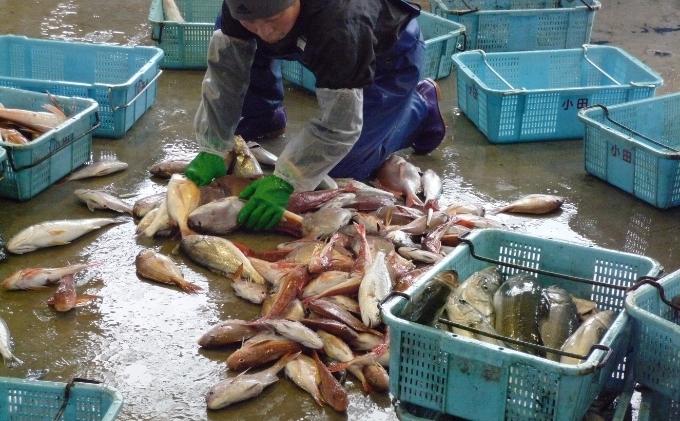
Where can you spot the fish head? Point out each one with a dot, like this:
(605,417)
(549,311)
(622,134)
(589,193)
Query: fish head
(14,278)
(22,242)
(232,390)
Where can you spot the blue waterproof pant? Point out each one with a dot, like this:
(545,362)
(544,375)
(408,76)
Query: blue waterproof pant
(393,110)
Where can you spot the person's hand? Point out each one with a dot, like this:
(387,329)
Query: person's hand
(205,167)
(267,199)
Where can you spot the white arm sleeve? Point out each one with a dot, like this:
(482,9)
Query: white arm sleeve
(224,87)
(324,141)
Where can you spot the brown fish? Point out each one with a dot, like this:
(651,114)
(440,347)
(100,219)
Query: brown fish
(377,377)
(65,298)
(334,327)
(226,333)
(535,204)
(301,202)
(292,284)
(327,309)
(165,169)
(331,391)
(160,268)
(146,204)
(260,353)
(401,177)
(183,198)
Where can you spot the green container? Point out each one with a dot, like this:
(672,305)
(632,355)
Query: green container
(185,44)
(32,168)
(468,378)
(38,400)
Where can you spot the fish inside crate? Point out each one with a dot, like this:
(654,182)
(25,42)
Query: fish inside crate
(484,370)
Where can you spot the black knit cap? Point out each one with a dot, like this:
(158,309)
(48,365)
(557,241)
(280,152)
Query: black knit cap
(256,9)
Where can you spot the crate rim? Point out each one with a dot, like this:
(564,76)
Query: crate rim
(466,70)
(638,313)
(109,415)
(152,62)
(594,7)
(459,28)
(159,3)
(582,369)
(585,116)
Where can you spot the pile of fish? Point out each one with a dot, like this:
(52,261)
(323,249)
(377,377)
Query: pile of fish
(520,309)
(20,127)
(320,294)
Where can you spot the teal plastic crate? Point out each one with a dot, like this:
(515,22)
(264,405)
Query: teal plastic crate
(656,407)
(30,169)
(442,38)
(536,95)
(521,25)
(39,400)
(121,79)
(636,147)
(185,44)
(656,337)
(440,371)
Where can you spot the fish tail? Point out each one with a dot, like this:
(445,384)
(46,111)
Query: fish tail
(184,230)
(335,366)
(189,287)
(13,361)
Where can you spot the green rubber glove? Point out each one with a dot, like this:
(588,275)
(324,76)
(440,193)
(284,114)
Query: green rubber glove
(205,167)
(267,199)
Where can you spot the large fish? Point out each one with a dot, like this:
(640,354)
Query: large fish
(33,278)
(479,289)
(160,268)
(558,319)
(533,204)
(40,121)
(220,255)
(242,162)
(65,297)
(55,233)
(516,304)
(97,199)
(588,334)
(461,312)
(5,346)
(245,386)
(166,169)
(303,372)
(183,198)
(98,169)
(218,217)
(401,177)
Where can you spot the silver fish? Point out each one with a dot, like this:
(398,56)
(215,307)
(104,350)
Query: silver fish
(359,186)
(158,220)
(375,286)
(401,239)
(220,255)
(98,169)
(479,289)
(55,233)
(227,332)
(32,278)
(295,331)
(303,372)
(419,255)
(588,334)
(242,162)
(423,224)
(165,169)
(432,186)
(536,204)
(558,319)
(218,217)
(245,386)
(516,303)
(250,291)
(342,200)
(98,199)
(461,312)
(324,222)
(324,281)
(463,208)
(10,359)
(262,155)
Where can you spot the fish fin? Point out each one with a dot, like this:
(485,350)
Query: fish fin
(412,199)
(238,274)
(244,249)
(90,207)
(13,362)
(186,231)
(85,299)
(190,287)
(54,110)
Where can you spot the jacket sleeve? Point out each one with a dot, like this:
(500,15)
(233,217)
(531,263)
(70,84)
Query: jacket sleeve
(224,86)
(324,140)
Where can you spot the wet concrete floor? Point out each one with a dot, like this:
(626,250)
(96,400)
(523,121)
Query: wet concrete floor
(141,338)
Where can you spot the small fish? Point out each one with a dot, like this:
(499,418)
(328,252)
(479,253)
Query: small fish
(303,372)
(98,169)
(41,121)
(332,391)
(249,291)
(65,297)
(160,268)
(401,177)
(377,377)
(294,311)
(432,188)
(301,202)
(98,199)
(262,155)
(333,327)
(226,333)
(34,278)
(171,11)
(291,285)
(295,331)
(220,255)
(156,221)
(5,348)
(146,204)
(260,352)
(165,169)
(588,334)
(245,386)
(13,136)
(419,255)
(464,208)
(242,162)
(55,233)
(535,204)
(183,198)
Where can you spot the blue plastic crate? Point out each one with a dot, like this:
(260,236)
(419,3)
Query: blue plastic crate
(442,38)
(536,95)
(39,400)
(185,44)
(32,168)
(636,147)
(656,407)
(656,337)
(521,25)
(468,378)
(121,79)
